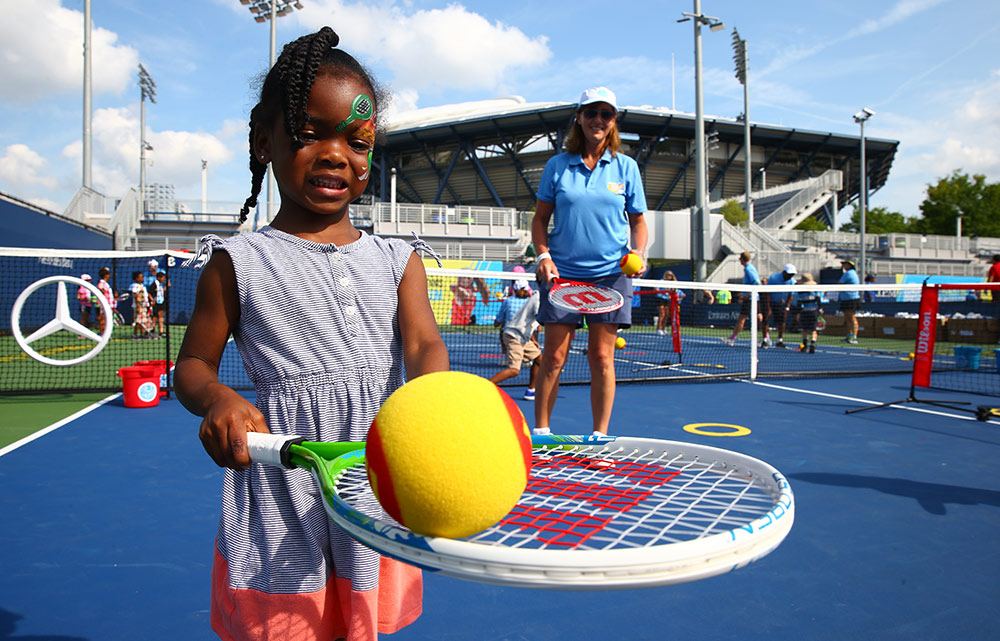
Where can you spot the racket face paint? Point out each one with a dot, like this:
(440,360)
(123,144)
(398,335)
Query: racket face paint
(820,324)
(597,514)
(584,298)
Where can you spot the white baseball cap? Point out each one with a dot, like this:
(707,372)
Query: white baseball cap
(790,269)
(598,94)
(85,277)
(521,284)
(153,263)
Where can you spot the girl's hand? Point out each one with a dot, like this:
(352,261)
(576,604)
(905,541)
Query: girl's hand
(224,429)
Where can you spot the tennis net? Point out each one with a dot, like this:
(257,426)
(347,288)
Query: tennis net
(695,340)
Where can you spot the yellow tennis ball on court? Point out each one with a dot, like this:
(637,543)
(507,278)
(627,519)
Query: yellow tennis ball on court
(619,342)
(630,263)
(911,356)
(448,454)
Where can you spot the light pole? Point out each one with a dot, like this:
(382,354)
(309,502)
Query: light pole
(87,153)
(148,90)
(700,230)
(860,118)
(264,11)
(741,56)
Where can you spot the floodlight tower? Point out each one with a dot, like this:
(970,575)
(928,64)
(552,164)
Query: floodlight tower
(86,95)
(861,117)
(264,11)
(700,229)
(148,89)
(741,56)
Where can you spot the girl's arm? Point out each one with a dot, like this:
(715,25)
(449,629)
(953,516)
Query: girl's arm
(546,270)
(227,415)
(423,350)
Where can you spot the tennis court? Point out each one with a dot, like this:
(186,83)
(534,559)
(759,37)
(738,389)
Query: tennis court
(109,522)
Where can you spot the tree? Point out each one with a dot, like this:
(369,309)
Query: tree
(734,213)
(812,224)
(878,220)
(971,197)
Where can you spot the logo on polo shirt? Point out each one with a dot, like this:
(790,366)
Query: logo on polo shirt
(617,188)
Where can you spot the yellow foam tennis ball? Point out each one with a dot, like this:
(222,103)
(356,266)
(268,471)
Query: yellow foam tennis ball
(630,263)
(448,454)
(619,343)
(911,356)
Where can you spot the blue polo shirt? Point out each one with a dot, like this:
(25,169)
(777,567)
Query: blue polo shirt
(590,230)
(751,277)
(850,277)
(779,279)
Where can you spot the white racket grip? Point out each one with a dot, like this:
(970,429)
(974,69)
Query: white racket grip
(271,449)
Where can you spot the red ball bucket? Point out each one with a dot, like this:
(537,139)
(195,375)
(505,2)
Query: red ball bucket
(141,386)
(162,367)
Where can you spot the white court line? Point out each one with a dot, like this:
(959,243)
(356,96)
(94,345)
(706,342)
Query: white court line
(51,428)
(866,401)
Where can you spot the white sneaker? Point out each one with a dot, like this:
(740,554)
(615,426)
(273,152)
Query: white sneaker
(661,332)
(541,431)
(728,341)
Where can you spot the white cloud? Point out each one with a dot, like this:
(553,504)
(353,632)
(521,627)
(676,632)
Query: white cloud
(41,45)
(21,168)
(430,50)
(175,159)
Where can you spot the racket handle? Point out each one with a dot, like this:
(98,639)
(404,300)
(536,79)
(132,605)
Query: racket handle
(272,449)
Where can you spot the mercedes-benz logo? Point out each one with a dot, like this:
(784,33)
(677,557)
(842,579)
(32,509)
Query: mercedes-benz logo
(61,321)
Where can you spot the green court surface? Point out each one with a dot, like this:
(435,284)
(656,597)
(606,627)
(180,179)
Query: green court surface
(25,415)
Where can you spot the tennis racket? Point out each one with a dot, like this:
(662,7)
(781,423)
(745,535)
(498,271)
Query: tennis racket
(584,298)
(597,513)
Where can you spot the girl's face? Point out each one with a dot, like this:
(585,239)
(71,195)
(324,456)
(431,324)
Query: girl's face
(332,168)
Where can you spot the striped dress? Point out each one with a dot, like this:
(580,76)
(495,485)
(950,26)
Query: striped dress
(319,337)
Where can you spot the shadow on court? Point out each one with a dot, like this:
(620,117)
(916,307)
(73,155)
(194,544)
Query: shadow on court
(109,522)
(933,497)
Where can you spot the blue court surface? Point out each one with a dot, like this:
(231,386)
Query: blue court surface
(109,520)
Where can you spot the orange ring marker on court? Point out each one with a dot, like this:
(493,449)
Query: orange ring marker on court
(696,428)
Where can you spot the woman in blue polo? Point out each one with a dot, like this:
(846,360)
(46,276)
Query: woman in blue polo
(592,195)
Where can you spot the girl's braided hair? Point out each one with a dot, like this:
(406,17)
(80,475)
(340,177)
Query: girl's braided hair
(286,91)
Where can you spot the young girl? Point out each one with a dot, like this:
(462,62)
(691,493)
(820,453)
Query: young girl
(142,318)
(664,307)
(322,363)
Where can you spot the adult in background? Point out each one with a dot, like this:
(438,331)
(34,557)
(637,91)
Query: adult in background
(750,277)
(777,304)
(993,276)
(850,301)
(593,196)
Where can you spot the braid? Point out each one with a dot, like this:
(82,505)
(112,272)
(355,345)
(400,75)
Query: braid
(257,171)
(302,60)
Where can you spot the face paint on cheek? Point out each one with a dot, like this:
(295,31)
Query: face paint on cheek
(367,133)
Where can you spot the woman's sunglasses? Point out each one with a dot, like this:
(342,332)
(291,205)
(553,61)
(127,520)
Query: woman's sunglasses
(605,114)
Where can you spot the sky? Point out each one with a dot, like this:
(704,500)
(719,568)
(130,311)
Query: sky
(930,69)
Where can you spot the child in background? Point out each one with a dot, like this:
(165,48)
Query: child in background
(518,339)
(808,303)
(158,296)
(142,319)
(326,318)
(85,298)
(663,305)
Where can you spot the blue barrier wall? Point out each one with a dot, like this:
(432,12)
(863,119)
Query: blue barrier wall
(24,227)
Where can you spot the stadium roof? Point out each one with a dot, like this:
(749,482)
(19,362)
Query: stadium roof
(491,153)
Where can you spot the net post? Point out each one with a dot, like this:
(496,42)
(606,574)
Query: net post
(753,334)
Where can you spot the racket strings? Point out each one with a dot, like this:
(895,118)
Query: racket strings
(593,498)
